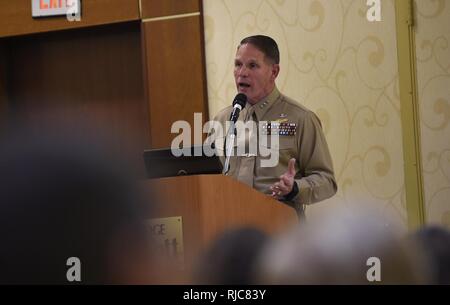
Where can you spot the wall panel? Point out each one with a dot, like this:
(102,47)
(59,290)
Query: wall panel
(16,19)
(175,75)
(158,8)
(432,24)
(91,75)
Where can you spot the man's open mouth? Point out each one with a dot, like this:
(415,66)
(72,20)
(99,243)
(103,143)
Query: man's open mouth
(244,85)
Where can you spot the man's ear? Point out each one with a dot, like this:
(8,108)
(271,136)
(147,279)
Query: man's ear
(275,71)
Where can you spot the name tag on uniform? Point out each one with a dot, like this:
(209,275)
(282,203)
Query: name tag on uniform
(279,128)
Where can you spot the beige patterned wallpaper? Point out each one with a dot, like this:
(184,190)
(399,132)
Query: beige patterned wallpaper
(433,78)
(341,66)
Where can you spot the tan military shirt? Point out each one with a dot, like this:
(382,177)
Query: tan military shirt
(300,137)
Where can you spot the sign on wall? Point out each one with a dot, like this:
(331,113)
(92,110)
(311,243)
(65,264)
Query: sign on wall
(45,8)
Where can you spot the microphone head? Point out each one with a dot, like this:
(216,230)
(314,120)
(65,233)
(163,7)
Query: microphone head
(240,99)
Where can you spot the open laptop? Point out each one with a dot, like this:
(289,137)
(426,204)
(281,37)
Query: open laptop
(161,163)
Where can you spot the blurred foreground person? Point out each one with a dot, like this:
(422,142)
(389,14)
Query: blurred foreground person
(339,248)
(435,243)
(230,259)
(68,213)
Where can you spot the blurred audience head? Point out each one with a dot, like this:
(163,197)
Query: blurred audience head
(434,242)
(230,258)
(356,247)
(63,195)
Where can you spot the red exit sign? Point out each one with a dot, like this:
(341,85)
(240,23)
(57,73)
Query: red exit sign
(42,8)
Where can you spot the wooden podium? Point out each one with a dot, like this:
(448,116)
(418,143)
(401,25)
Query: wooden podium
(210,204)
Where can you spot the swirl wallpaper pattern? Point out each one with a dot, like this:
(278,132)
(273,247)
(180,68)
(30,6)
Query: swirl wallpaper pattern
(433,79)
(344,68)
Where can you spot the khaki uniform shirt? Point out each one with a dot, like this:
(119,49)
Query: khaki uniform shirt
(301,137)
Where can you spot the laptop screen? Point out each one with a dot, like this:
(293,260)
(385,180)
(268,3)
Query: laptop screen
(161,163)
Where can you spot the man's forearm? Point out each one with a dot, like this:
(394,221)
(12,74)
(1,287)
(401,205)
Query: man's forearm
(315,188)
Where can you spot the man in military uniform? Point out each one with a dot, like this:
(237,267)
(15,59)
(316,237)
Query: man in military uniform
(304,171)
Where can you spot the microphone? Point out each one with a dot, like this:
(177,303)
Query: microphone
(238,104)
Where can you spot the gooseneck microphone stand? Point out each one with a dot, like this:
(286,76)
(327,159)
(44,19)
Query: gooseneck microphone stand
(238,104)
(228,145)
